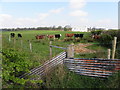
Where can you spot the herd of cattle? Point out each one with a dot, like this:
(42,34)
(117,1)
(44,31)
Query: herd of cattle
(58,36)
(13,35)
(67,35)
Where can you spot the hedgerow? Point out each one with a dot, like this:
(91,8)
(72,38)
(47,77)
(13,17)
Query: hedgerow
(14,64)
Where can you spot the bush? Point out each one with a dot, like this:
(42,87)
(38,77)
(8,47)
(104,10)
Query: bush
(96,32)
(112,33)
(14,65)
(105,39)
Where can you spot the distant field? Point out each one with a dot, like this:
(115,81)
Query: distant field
(31,34)
(40,48)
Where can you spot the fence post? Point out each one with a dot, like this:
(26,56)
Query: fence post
(30,46)
(109,53)
(114,47)
(50,49)
(70,51)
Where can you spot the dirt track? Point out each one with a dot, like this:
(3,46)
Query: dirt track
(81,48)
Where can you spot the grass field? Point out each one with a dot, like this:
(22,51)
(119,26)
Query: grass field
(40,53)
(40,49)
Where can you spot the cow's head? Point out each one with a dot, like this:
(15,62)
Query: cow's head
(60,35)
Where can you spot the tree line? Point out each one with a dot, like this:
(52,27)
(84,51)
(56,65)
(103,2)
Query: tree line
(59,28)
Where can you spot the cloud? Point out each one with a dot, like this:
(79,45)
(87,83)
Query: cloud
(9,21)
(43,15)
(104,21)
(6,20)
(77,4)
(84,20)
(25,21)
(79,22)
(5,17)
(78,13)
(56,10)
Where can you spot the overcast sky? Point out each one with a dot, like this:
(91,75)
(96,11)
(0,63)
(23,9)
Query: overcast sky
(78,13)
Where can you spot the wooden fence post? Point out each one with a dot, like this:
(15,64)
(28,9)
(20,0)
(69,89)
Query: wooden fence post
(70,51)
(50,49)
(30,46)
(109,53)
(114,47)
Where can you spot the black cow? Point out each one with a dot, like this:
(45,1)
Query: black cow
(58,36)
(78,35)
(19,35)
(12,35)
(81,35)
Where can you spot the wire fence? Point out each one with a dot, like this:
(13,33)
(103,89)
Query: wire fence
(40,71)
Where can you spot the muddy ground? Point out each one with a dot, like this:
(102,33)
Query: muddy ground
(81,48)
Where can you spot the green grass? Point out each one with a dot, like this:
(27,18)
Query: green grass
(96,47)
(61,77)
(40,48)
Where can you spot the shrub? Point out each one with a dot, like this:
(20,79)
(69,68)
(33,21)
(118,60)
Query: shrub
(96,32)
(14,65)
(105,40)
(112,33)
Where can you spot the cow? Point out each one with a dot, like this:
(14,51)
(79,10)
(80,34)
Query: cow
(96,36)
(58,36)
(12,35)
(81,35)
(69,35)
(40,36)
(19,35)
(51,36)
(78,35)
